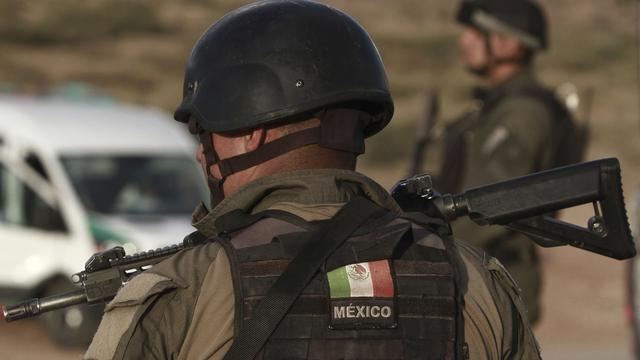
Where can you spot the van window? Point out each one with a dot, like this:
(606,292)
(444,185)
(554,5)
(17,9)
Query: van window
(22,206)
(137,185)
(34,162)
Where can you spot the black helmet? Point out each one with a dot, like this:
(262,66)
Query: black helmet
(522,19)
(284,60)
(273,60)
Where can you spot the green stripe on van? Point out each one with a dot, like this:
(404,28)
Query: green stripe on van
(103,235)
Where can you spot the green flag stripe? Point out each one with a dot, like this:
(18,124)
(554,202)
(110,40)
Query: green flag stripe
(338,283)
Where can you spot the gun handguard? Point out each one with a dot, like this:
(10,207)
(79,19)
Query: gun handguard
(524,204)
(104,274)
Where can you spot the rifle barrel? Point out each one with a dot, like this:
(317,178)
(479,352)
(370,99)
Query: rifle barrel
(33,307)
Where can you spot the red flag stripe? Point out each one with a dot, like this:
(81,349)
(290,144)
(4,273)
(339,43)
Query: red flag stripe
(381,278)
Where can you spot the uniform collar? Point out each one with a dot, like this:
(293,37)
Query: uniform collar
(308,187)
(521,80)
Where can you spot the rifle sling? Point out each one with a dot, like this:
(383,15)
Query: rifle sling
(281,296)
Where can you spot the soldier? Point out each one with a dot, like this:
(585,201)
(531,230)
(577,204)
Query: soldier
(519,127)
(306,258)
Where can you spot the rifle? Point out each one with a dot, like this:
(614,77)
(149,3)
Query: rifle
(520,204)
(424,126)
(103,275)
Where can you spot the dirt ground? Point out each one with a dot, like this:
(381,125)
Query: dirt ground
(584,307)
(27,340)
(584,315)
(584,312)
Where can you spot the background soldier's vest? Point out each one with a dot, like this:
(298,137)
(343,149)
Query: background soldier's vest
(568,139)
(389,292)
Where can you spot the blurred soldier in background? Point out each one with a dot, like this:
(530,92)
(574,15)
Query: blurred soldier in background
(308,258)
(518,126)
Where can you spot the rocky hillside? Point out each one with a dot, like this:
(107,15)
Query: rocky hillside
(136,51)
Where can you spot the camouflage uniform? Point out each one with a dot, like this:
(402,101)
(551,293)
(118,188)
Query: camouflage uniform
(510,134)
(166,311)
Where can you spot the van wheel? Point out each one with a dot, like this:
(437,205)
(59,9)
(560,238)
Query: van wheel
(72,326)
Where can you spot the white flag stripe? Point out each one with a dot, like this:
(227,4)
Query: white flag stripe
(361,287)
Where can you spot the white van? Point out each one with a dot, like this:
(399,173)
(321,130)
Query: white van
(79,177)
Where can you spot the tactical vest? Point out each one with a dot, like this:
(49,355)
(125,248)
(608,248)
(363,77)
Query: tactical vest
(568,137)
(389,292)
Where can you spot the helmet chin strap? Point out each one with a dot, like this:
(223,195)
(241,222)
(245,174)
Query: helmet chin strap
(216,191)
(340,129)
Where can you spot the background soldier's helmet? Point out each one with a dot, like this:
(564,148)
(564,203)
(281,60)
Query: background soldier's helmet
(274,60)
(522,19)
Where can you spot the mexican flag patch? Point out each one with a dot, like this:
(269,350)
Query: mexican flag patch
(362,296)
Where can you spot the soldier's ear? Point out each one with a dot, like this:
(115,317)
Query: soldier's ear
(254,139)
